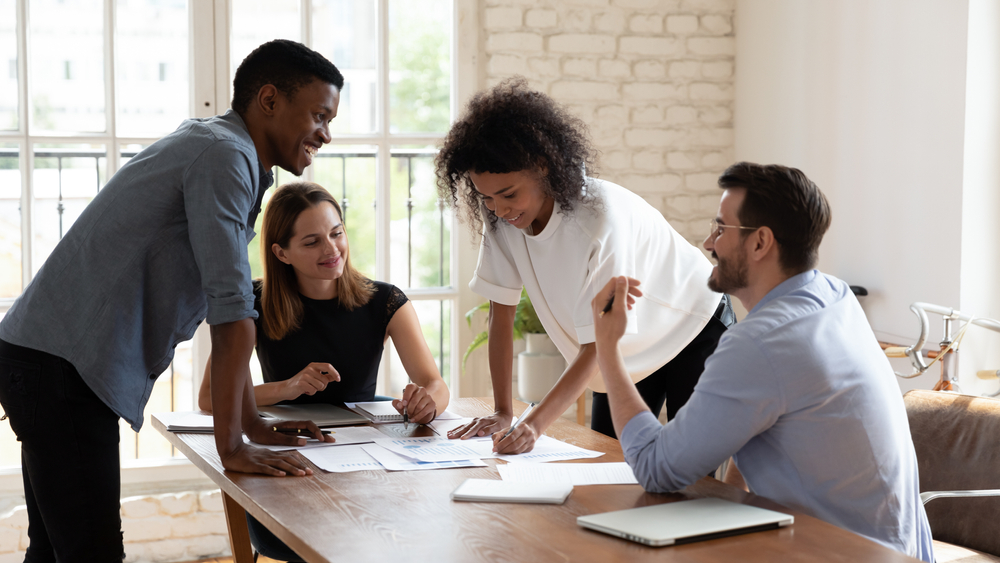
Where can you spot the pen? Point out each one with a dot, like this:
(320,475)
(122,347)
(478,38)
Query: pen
(520,418)
(406,420)
(607,308)
(297,431)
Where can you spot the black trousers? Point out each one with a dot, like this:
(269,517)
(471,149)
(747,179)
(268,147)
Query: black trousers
(69,458)
(674,382)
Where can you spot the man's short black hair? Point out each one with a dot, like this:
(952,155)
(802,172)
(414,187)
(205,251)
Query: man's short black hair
(787,202)
(287,65)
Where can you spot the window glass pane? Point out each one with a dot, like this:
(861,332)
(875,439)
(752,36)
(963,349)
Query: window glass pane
(435,323)
(65,179)
(348,172)
(344,31)
(419,66)
(151,66)
(259,21)
(420,229)
(67,65)
(10,223)
(8,65)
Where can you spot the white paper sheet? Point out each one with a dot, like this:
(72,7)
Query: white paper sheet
(573,473)
(393,462)
(196,422)
(437,448)
(550,449)
(342,460)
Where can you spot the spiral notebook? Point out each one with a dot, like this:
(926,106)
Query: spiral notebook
(379,411)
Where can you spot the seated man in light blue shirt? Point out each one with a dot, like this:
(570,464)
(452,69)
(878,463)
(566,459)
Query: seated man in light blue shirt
(798,393)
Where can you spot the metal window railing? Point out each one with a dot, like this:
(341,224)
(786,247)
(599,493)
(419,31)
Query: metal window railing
(442,293)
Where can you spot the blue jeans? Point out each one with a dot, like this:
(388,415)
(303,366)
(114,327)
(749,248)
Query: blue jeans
(69,458)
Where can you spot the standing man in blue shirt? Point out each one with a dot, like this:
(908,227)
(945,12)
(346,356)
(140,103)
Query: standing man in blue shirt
(162,247)
(798,393)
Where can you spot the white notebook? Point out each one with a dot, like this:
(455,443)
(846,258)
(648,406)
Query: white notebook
(379,411)
(491,490)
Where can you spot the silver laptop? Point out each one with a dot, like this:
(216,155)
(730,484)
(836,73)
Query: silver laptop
(322,414)
(685,521)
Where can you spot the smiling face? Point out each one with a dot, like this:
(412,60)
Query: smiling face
(516,197)
(731,273)
(317,249)
(300,125)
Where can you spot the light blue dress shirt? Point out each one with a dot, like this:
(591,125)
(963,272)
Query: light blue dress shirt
(803,398)
(159,249)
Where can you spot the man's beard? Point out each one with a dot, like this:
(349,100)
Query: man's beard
(730,275)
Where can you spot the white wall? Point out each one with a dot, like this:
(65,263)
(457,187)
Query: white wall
(980,290)
(868,98)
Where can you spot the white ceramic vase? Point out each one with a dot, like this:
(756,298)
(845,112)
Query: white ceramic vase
(538,367)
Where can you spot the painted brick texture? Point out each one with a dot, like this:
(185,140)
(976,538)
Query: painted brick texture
(653,79)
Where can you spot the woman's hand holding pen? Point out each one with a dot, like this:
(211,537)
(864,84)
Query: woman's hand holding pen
(482,426)
(417,403)
(311,380)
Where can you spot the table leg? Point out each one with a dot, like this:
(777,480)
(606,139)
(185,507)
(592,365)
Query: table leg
(581,409)
(239,534)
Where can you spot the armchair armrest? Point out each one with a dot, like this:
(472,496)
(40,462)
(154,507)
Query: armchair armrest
(931,495)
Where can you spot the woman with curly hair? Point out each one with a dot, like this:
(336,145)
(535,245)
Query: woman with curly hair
(515,166)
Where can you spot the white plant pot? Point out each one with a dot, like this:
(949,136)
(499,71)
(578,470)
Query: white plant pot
(538,367)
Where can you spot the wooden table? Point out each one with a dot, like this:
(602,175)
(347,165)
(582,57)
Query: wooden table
(408,515)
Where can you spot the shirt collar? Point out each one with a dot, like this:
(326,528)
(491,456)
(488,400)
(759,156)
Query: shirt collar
(785,287)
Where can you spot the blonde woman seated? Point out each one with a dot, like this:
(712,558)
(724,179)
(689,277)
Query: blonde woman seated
(321,325)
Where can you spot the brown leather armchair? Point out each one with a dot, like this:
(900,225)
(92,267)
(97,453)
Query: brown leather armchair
(957,440)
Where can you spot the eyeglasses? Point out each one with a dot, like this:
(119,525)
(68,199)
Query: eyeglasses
(717,228)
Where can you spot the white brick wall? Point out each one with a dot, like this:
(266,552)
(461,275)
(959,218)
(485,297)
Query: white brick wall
(158,529)
(653,79)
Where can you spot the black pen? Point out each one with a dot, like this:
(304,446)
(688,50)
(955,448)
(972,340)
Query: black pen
(607,308)
(302,431)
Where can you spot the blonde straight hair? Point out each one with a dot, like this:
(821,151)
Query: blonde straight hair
(280,302)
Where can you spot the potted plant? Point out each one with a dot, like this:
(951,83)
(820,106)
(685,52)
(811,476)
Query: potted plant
(540,365)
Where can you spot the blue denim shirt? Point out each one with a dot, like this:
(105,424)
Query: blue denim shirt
(161,247)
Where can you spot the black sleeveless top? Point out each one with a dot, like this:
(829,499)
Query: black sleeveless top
(351,341)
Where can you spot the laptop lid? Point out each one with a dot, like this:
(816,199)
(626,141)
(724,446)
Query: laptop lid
(685,521)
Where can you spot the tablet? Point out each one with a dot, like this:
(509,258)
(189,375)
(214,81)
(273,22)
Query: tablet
(685,521)
(320,413)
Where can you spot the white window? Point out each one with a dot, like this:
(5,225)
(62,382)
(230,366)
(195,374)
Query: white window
(92,82)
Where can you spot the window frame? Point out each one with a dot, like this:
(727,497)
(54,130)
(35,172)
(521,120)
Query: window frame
(209,26)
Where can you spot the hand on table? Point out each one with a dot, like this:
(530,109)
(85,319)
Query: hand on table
(311,380)
(249,459)
(418,403)
(482,426)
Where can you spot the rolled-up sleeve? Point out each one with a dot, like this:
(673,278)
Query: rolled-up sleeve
(734,401)
(219,190)
(496,277)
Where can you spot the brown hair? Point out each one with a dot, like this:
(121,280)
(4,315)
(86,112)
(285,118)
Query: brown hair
(786,201)
(280,302)
(510,128)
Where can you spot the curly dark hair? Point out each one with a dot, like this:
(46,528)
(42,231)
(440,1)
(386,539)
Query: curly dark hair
(510,128)
(287,65)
